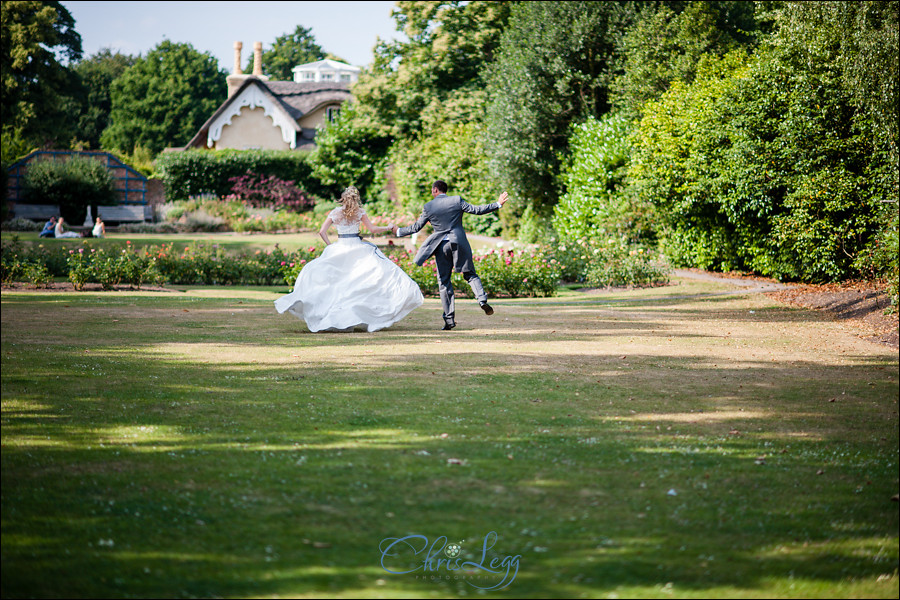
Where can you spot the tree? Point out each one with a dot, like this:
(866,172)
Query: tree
(97,74)
(415,93)
(349,152)
(553,68)
(163,99)
(37,87)
(438,74)
(669,41)
(287,52)
(864,38)
(73,183)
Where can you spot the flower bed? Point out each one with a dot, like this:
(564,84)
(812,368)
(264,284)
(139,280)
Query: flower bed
(504,273)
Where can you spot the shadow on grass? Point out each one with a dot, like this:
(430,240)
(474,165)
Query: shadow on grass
(210,454)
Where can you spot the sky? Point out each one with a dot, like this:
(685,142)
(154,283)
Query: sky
(346,29)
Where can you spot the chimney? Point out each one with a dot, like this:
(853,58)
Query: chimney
(237,77)
(237,58)
(257,58)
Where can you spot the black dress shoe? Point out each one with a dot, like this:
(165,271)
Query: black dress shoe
(448,325)
(487,308)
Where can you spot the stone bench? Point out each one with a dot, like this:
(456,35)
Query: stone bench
(124,213)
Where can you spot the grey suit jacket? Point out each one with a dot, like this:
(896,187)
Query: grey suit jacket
(445,215)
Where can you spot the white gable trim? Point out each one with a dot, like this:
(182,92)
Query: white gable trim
(253,97)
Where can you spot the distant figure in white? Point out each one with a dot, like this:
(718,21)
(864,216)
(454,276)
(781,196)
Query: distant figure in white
(99,229)
(64,234)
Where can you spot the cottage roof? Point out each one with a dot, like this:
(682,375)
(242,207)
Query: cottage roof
(294,99)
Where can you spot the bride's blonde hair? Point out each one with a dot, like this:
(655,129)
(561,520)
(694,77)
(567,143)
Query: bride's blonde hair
(350,202)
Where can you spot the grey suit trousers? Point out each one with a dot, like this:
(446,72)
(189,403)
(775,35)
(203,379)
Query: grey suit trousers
(443,257)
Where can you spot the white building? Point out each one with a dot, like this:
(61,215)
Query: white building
(326,71)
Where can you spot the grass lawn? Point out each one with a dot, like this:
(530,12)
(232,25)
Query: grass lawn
(671,442)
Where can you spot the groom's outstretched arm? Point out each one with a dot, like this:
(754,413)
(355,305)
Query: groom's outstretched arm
(484,208)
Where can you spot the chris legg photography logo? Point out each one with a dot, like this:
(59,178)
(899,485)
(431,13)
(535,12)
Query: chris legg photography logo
(443,561)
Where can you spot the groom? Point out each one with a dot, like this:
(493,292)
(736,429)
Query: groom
(449,245)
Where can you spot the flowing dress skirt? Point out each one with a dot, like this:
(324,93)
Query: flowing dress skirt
(351,284)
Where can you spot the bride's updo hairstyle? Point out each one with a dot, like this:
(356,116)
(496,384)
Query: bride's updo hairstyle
(350,202)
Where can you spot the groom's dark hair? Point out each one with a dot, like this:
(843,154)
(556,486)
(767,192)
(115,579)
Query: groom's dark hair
(440,186)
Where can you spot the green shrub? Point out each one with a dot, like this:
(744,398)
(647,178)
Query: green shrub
(37,274)
(511,272)
(81,267)
(761,165)
(195,172)
(516,272)
(454,153)
(594,174)
(613,261)
(73,183)
(207,213)
(20,224)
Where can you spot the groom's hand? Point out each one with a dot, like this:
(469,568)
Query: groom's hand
(503,198)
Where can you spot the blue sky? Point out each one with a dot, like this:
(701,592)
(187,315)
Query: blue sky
(347,29)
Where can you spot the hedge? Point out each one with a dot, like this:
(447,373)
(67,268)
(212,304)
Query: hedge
(197,172)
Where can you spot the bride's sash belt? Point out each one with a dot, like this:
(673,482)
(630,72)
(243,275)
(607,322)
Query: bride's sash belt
(348,235)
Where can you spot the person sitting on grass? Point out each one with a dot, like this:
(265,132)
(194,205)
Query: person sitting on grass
(63,234)
(49,227)
(99,229)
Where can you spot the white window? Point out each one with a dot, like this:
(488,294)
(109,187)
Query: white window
(332,112)
(327,76)
(345,76)
(309,76)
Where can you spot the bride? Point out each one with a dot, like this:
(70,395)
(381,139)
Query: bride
(352,283)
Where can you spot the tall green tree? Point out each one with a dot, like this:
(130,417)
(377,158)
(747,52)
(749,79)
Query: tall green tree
(670,40)
(288,51)
(416,90)
(864,40)
(437,73)
(96,75)
(37,38)
(163,99)
(350,152)
(554,68)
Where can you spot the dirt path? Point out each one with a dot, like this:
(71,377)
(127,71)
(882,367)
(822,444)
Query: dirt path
(859,303)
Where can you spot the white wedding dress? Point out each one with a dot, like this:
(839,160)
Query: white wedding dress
(351,284)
